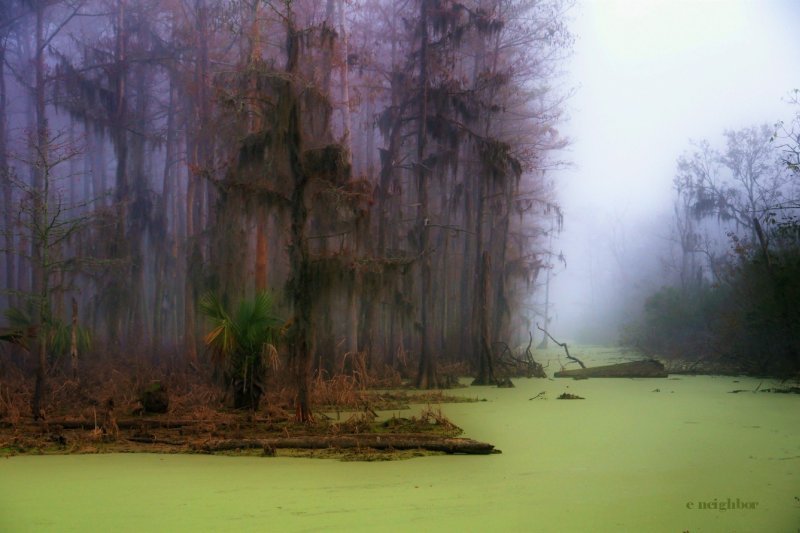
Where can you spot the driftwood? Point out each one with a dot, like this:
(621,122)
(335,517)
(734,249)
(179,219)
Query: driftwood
(514,365)
(386,441)
(635,369)
(563,345)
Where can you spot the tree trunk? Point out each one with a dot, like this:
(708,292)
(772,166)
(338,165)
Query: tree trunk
(543,345)
(262,248)
(189,340)
(254,125)
(41,243)
(120,247)
(301,287)
(485,367)
(467,283)
(501,306)
(5,184)
(426,373)
(41,138)
(300,283)
(352,317)
(343,74)
(369,312)
(479,293)
(39,235)
(140,215)
(41,381)
(199,150)
(163,243)
(73,340)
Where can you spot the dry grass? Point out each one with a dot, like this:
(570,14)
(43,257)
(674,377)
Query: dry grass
(112,386)
(340,391)
(102,413)
(105,382)
(435,417)
(387,378)
(361,422)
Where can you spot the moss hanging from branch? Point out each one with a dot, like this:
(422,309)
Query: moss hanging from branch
(497,160)
(330,163)
(341,268)
(253,149)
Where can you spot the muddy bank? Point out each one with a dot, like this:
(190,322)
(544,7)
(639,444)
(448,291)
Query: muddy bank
(361,432)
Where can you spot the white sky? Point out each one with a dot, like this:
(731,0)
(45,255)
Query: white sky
(650,75)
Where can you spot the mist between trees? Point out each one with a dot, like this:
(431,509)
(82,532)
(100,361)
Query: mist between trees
(731,267)
(380,166)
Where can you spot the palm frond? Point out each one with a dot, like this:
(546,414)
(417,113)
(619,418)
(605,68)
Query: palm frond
(18,318)
(211,306)
(60,338)
(243,335)
(242,344)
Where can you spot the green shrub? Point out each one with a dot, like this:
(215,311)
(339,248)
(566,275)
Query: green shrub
(241,344)
(676,323)
(752,319)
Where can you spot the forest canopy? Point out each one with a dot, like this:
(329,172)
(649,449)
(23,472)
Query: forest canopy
(380,167)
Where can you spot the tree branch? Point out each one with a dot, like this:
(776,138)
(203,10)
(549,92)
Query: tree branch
(563,345)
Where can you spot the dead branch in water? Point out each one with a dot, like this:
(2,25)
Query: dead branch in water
(563,345)
(514,365)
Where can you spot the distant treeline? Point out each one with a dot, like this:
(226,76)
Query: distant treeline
(734,301)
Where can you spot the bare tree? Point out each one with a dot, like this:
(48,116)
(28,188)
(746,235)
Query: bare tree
(51,223)
(739,184)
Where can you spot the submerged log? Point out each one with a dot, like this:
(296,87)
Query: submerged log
(386,442)
(634,369)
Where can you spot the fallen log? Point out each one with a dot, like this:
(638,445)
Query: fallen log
(390,441)
(633,369)
(149,439)
(134,423)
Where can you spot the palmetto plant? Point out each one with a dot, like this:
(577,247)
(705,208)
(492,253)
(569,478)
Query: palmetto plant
(242,344)
(22,328)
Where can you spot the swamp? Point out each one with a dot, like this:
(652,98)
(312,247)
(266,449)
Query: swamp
(636,455)
(399,265)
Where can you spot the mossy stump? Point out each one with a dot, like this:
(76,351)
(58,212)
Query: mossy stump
(154,398)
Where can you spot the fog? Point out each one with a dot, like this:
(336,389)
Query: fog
(407,188)
(649,76)
(369,175)
(278,230)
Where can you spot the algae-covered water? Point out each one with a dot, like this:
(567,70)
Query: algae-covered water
(690,457)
